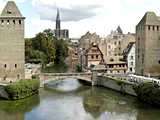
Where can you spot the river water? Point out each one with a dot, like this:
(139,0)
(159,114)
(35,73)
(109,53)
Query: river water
(70,100)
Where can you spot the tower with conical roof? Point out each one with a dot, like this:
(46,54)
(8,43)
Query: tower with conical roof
(12,57)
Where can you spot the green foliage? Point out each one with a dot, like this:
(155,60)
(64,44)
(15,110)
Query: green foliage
(45,48)
(148,92)
(20,106)
(22,89)
(120,82)
(61,51)
(78,68)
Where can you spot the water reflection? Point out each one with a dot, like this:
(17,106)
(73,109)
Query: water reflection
(15,110)
(66,85)
(81,103)
(105,106)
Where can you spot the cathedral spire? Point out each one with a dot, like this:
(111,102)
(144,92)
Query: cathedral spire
(58,21)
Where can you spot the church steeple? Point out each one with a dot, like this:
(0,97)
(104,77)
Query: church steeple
(58,21)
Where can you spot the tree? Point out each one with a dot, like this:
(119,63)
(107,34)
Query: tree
(45,48)
(61,51)
(78,68)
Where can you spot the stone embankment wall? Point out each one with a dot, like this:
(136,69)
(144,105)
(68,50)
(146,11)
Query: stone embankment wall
(122,86)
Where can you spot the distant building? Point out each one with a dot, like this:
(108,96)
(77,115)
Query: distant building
(93,56)
(114,44)
(129,57)
(73,59)
(60,33)
(86,40)
(148,45)
(12,57)
(116,67)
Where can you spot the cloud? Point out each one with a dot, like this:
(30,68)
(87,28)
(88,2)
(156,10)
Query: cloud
(69,11)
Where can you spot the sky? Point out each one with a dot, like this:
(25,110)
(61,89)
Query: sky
(80,16)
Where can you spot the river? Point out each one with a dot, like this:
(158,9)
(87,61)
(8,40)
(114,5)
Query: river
(70,100)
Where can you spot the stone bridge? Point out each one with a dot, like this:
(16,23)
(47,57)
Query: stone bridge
(49,77)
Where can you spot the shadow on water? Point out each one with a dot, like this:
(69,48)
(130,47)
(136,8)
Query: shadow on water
(15,110)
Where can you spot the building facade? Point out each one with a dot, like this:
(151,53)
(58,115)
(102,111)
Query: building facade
(93,56)
(129,57)
(60,33)
(114,44)
(86,40)
(116,67)
(148,45)
(12,57)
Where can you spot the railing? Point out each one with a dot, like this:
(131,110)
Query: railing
(66,74)
(133,78)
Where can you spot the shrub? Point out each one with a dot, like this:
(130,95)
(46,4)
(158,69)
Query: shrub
(148,92)
(22,89)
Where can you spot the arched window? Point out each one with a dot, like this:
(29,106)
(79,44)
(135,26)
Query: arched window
(15,65)
(7,22)
(5,66)
(20,22)
(14,22)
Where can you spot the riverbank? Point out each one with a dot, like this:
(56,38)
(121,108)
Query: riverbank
(116,84)
(19,90)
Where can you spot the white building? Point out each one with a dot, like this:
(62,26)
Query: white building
(129,55)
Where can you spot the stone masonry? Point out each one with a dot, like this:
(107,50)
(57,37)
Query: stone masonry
(12,57)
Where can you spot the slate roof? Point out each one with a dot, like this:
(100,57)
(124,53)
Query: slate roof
(150,18)
(127,50)
(11,10)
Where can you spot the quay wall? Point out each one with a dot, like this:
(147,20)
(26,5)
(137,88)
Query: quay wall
(122,86)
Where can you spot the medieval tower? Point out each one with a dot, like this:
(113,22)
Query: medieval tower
(148,45)
(12,57)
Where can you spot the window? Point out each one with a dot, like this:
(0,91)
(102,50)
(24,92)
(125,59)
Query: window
(115,43)
(5,77)
(92,57)
(148,27)
(15,65)
(96,56)
(119,42)
(109,46)
(130,69)
(111,59)
(5,66)
(18,76)
(2,22)
(19,21)
(153,28)
(14,22)
(157,28)
(7,22)
(131,57)
(131,63)
(159,61)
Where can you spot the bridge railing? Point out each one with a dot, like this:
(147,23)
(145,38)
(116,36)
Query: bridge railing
(134,78)
(66,74)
